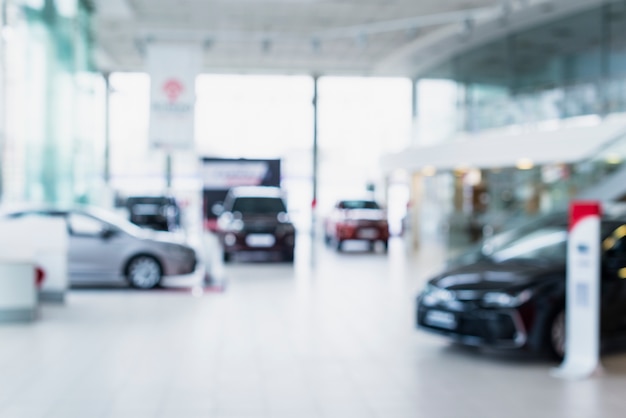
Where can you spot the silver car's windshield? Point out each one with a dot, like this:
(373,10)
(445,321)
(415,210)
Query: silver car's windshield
(114,219)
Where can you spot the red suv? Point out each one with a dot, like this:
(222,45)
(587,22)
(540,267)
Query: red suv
(362,220)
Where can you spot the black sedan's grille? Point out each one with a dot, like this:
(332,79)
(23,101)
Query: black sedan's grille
(488,326)
(491,326)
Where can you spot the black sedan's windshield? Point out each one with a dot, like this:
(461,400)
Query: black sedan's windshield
(543,244)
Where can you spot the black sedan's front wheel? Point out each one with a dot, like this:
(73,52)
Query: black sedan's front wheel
(557,334)
(144,272)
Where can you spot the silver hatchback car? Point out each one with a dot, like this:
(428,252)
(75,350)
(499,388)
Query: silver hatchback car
(105,248)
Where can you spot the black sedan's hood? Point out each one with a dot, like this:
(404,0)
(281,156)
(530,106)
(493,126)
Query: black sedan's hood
(489,276)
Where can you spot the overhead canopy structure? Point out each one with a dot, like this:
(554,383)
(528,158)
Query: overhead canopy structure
(570,142)
(280,36)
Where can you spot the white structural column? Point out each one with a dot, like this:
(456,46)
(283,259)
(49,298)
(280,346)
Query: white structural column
(2,101)
(416,181)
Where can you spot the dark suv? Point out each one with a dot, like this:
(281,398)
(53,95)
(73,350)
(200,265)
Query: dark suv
(155,212)
(254,219)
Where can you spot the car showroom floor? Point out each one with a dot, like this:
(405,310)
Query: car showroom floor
(331,336)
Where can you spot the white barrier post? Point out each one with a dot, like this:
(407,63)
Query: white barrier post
(50,245)
(582,310)
(18,296)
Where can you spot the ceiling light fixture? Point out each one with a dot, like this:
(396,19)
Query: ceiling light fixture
(614,159)
(468,24)
(411,26)
(316,45)
(429,171)
(524,164)
(361,40)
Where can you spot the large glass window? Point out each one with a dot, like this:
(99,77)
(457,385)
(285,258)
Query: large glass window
(569,67)
(45,49)
(360,119)
(135,167)
(261,117)
(615,30)
(438,114)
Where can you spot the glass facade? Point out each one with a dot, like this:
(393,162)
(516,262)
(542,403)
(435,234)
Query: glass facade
(570,67)
(53,103)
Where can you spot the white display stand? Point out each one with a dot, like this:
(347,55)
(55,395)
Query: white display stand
(50,244)
(582,312)
(18,293)
(42,242)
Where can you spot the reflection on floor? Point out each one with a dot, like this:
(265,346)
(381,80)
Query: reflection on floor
(330,336)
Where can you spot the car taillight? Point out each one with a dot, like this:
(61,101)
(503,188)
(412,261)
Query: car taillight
(40,276)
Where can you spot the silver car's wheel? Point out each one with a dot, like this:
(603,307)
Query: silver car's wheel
(557,334)
(144,272)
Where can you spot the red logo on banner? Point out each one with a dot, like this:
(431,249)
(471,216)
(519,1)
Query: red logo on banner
(172,88)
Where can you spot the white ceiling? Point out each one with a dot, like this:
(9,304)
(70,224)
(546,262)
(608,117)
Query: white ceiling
(279,36)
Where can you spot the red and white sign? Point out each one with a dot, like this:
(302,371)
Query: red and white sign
(582,309)
(173,88)
(173,68)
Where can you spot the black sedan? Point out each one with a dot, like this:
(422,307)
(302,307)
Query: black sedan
(511,293)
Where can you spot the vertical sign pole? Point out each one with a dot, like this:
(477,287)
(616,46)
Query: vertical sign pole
(168,170)
(107,129)
(315,157)
(582,298)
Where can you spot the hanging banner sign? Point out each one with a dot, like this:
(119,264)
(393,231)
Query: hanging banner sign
(173,68)
(224,173)
(582,294)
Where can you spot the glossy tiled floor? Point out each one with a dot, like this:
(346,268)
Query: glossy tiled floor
(331,336)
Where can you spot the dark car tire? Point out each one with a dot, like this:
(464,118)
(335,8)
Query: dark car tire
(288,256)
(227,257)
(556,334)
(327,239)
(339,245)
(144,272)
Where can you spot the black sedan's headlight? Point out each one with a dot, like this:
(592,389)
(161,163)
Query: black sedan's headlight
(506,300)
(433,295)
